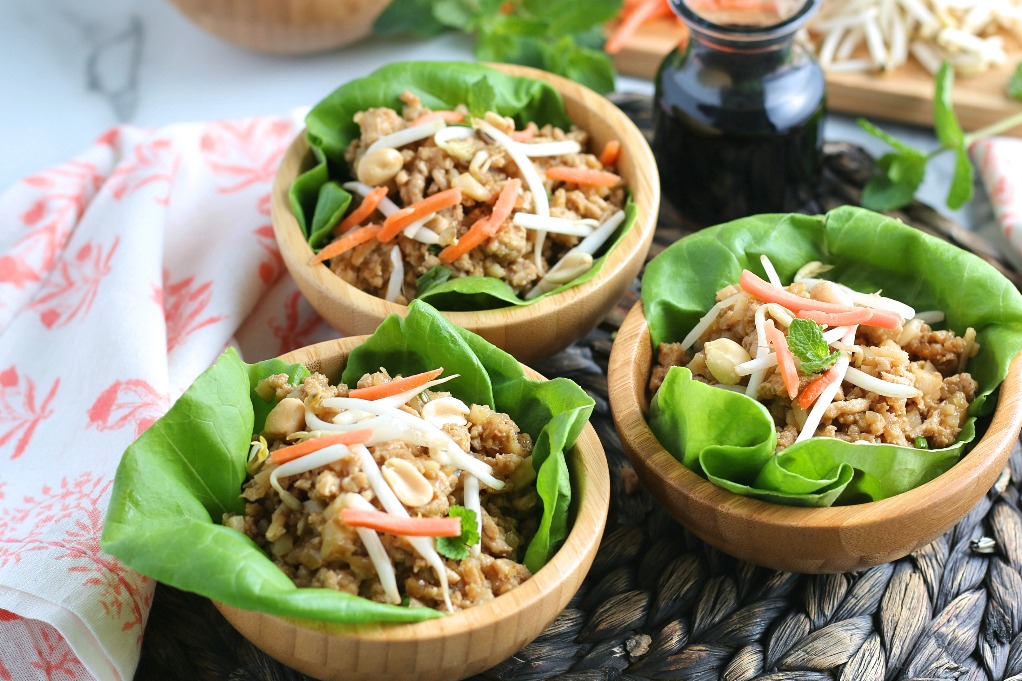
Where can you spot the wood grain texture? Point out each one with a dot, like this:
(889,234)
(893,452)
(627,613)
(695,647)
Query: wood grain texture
(811,540)
(904,95)
(530,332)
(284,26)
(461,644)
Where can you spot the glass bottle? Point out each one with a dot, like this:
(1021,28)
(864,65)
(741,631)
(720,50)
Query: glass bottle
(738,112)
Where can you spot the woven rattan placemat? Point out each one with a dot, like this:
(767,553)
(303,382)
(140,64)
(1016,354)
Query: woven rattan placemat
(660,604)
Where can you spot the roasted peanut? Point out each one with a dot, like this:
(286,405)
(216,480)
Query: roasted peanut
(722,356)
(379,166)
(288,416)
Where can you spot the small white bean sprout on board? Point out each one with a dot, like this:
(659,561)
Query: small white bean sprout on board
(882,35)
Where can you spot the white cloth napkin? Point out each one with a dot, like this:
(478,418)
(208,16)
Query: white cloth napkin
(998,161)
(123,274)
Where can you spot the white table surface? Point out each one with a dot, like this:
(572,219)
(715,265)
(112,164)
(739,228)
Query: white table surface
(70,70)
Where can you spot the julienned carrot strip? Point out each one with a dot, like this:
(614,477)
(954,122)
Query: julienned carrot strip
(525,134)
(884,319)
(855,315)
(636,16)
(486,227)
(400,219)
(586,176)
(292,452)
(785,360)
(611,150)
(355,237)
(364,210)
(768,293)
(406,527)
(449,116)
(813,391)
(398,385)
(475,235)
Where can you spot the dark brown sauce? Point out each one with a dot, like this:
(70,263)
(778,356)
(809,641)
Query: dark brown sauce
(738,133)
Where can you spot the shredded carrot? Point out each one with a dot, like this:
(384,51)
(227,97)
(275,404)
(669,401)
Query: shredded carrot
(855,315)
(785,360)
(768,293)
(405,527)
(883,319)
(611,150)
(364,210)
(398,385)
(637,15)
(449,116)
(525,134)
(487,227)
(354,238)
(292,452)
(813,391)
(586,176)
(400,219)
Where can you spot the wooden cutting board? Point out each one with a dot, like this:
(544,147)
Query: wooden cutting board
(904,95)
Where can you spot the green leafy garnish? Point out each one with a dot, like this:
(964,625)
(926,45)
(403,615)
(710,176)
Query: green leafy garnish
(433,277)
(805,339)
(904,167)
(456,548)
(481,98)
(561,36)
(920,443)
(1015,84)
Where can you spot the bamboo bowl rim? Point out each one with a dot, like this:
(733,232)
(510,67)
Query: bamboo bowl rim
(590,501)
(948,497)
(638,168)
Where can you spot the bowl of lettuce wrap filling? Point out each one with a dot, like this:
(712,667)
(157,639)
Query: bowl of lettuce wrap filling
(373,507)
(517,202)
(819,393)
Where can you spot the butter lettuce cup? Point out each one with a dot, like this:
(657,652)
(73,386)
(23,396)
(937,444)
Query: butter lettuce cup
(462,142)
(183,479)
(815,504)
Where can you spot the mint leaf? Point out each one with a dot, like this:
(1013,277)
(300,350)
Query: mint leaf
(456,548)
(805,338)
(904,169)
(409,16)
(961,182)
(481,98)
(1015,84)
(433,277)
(945,122)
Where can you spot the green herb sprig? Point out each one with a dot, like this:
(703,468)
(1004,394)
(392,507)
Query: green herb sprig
(805,338)
(561,36)
(456,548)
(905,166)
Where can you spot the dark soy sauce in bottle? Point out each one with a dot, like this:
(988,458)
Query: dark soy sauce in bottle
(738,113)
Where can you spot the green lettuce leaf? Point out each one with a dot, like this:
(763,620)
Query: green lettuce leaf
(176,481)
(730,438)
(319,202)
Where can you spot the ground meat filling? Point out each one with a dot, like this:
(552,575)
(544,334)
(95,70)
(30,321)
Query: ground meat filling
(315,548)
(480,168)
(933,361)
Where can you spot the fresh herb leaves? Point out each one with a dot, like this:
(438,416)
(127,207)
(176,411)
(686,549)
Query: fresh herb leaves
(432,277)
(456,548)
(562,36)
(481,98)
(905,166)
(805,338)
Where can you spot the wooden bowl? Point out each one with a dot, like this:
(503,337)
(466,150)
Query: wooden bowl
(529,332)
(461,644)
(814,540)
(285,26)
